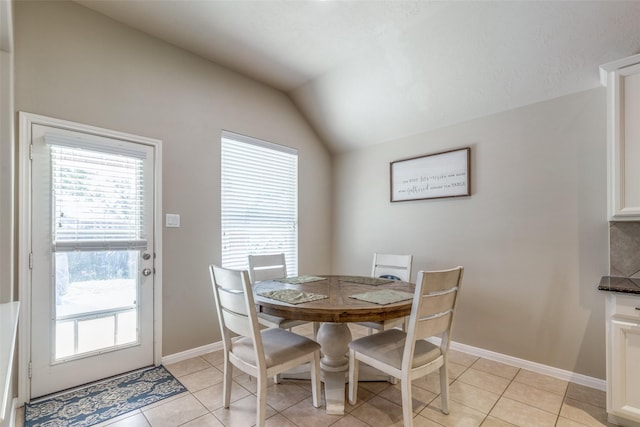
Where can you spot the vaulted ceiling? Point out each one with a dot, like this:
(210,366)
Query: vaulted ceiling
(366,72)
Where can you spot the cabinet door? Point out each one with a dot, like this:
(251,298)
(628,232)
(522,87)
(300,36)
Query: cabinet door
(625,369)
(624,143)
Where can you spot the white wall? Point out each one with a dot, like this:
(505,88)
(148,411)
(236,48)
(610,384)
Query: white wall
(532,236)
(74,64)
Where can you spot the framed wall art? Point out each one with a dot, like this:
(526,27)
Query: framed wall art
(431,176)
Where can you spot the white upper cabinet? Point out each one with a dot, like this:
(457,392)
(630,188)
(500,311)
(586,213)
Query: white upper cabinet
(622,79)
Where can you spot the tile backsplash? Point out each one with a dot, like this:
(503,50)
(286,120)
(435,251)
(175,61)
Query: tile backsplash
(624,249)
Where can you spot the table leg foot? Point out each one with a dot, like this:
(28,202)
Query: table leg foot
(334,392)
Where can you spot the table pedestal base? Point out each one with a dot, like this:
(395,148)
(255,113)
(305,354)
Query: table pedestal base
(334,339)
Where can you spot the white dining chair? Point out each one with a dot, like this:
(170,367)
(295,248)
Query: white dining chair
(271,267)
(259,353)
(408,355)
(394,267)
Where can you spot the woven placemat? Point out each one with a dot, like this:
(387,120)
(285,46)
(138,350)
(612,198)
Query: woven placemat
(292,296)
(373,281)
(383,296)
(300,279)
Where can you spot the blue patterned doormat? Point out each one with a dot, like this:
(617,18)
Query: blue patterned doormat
(101,401)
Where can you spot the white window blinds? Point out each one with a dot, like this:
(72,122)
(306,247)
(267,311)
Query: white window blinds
(259,201)
(98,196)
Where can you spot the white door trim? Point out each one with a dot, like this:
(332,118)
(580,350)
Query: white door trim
(26,121)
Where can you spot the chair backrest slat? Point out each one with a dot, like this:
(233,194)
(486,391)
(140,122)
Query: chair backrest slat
(267,267)
(392,265)
(234,303)
(433,308)
(434,304)
(237,323)
(433,326)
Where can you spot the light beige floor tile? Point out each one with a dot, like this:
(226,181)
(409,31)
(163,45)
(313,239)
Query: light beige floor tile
(496,368)
(584,413)
(175,412)
(421,421)
(282,396)
(587,394)
(201,379)
(278,420)
(188,366)
(207,420)
(495,422)
(215,358)
(459,415)
(379,412)
(349,421)
(431,382)
(241,413)
(565,422)
(461,358)
(305,414)
(375,387)
(211,397)
(472,396)
(419,396)
(544,382)
(164,401)
(249,382)
(484,380)
(455,370)
(521,414)
(531,399)
(363,396)
(131,419)
(535,397)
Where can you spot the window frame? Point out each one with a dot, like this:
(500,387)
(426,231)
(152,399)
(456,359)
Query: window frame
(255,165)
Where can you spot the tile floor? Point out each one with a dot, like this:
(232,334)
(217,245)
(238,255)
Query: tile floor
(482,393)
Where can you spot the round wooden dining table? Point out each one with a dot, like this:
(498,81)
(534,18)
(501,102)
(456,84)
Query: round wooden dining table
(335,311)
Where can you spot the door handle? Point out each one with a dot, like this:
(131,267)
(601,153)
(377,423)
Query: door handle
(146,272)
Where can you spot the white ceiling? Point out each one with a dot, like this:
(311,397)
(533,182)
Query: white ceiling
(366,72)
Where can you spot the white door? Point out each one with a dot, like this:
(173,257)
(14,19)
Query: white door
(92,257)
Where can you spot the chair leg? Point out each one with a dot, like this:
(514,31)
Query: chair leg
(315,379)
(316,327)
(444,389)
(228,377)
(407,401)
(354,366)
(262,400)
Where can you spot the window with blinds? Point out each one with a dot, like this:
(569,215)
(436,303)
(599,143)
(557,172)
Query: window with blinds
(98,197)
(259,201)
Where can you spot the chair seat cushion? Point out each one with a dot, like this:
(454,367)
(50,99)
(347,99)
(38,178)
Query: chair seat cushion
(388,347)
(279,345)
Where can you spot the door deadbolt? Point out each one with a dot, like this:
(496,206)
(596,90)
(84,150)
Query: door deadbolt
(146,272)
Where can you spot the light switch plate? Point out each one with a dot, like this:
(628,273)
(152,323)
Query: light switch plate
(172,220)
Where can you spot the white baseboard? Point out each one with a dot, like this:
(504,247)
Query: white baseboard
(532,366)
(475,351)
(194,352)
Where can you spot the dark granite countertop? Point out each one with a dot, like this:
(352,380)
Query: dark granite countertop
(620,284)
